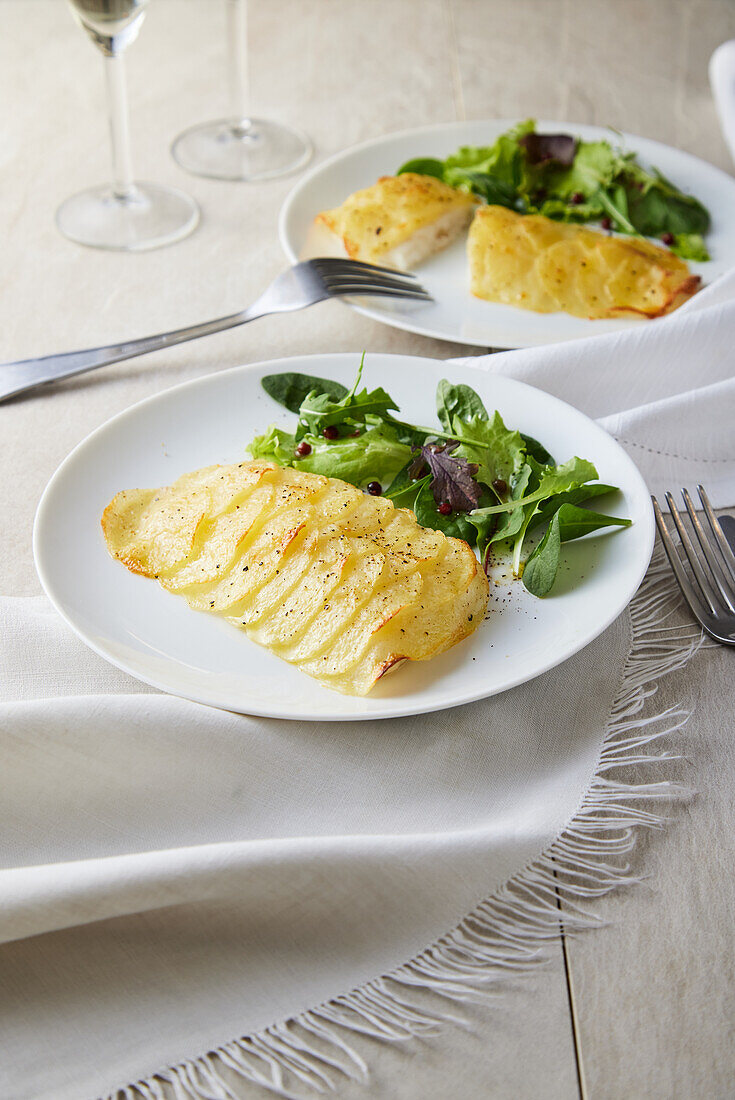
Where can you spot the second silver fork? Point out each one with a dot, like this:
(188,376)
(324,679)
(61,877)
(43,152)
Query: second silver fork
(300,286)
(711,593)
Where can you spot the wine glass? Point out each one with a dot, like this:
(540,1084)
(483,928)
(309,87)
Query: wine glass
(125,215)
(240,147)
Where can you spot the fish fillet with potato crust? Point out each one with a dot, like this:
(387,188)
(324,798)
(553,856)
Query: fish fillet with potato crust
(400,221)
(529,261)
(343,585)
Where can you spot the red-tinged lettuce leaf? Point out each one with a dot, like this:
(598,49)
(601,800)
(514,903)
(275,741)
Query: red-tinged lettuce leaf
(452,478)
(543,148)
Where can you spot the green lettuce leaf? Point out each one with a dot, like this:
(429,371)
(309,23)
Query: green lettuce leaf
(274,445)
(375,455)
(690,246)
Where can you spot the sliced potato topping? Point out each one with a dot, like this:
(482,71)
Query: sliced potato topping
(543,265)
(400,220)
(343,585)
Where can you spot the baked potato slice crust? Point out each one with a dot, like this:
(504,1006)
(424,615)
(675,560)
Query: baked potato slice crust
(340,584)
(399,221)
(529,261)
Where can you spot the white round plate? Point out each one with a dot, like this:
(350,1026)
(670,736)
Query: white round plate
(455,314)
(155,636)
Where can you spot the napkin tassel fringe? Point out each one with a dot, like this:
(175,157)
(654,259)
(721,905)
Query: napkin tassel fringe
(507,934)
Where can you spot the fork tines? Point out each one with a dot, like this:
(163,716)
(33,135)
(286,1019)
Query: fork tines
(711,597)
(355,277)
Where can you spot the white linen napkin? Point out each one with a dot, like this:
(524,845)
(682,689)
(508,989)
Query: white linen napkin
(177,878)
(722,82)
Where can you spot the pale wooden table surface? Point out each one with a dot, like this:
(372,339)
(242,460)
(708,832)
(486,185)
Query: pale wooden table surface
(643,1010)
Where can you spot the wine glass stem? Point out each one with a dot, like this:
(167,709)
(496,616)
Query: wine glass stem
(122,171)
(237,37)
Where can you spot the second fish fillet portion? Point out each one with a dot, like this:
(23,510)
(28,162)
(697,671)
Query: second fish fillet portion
(529,261)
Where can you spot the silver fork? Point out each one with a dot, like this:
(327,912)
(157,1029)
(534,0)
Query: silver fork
(712,601)
(302,285)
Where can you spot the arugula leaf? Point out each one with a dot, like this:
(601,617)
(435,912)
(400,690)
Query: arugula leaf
(290,388)
(499,528)
(319,411)
(404,488)
(555,479)
(615,203)
(460,401)
(567,523)
(543,482)
(452,477)
(509,524)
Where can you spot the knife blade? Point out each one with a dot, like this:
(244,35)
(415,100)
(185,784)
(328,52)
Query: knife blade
(727,526)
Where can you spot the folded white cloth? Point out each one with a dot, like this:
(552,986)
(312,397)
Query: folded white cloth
(722,82)
(177,877)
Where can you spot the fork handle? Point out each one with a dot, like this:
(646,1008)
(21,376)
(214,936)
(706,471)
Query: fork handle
(26,374)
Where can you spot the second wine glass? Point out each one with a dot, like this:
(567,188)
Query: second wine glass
(241,147)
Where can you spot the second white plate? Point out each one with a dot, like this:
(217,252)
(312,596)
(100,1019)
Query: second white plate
(455,314)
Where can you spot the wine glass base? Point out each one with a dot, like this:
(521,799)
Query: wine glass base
(149,217)
(230,150)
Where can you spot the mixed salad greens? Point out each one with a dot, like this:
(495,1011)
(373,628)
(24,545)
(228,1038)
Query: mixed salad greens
(472,478)
(572,180)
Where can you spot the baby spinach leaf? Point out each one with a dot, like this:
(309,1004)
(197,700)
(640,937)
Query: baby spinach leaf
(536,450)
(495,191)
(576,522)
(455,525)
(423,166)
(657,206)
(457,401)
(540,570)
(572,496)
(290,388)
(568,522)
